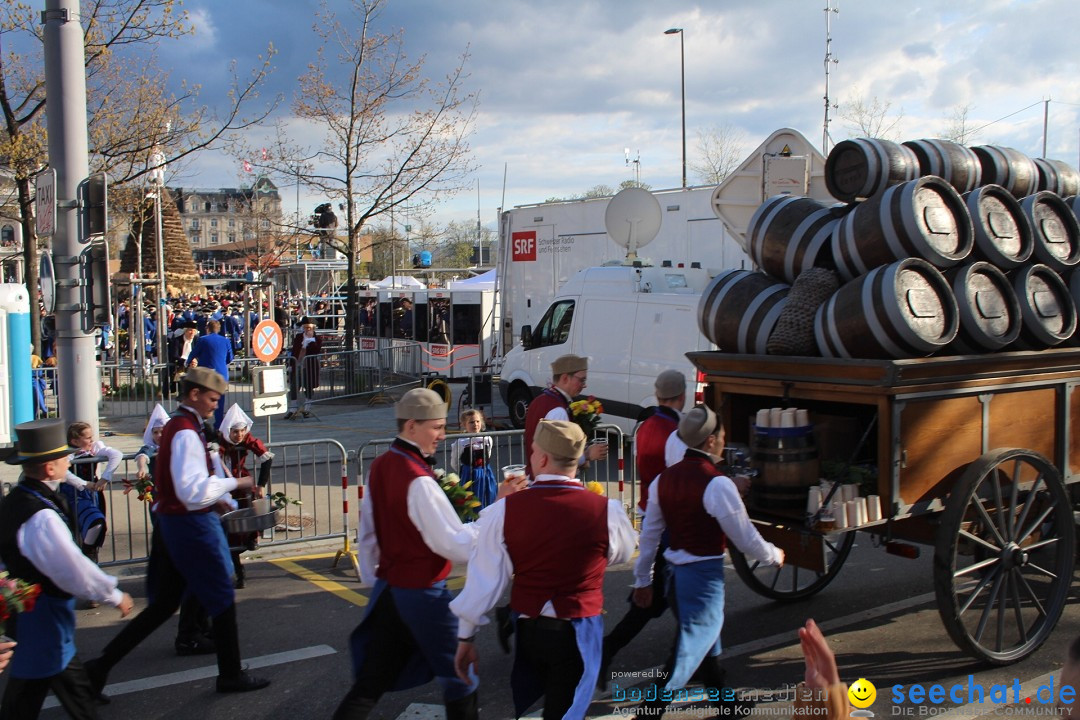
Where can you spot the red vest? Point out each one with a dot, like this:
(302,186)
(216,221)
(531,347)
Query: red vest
(167,502)
(650,442)
(681,497)
(541,405)
(405,560)
(557,538)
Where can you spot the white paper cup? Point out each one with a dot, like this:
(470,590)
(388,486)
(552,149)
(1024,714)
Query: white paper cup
(787,418)
(849,492)
(813,500)
(873,508)
(774,417)
(851,512)
(802,418)
(512,471)
(861,508)
(839,516)
(762,419)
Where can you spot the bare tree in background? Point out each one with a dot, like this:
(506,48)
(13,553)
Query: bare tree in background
(871,118)
(958,127)
(391,137)
(720,150)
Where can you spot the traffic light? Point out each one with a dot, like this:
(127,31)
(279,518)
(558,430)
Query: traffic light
(95,285)
(93,207)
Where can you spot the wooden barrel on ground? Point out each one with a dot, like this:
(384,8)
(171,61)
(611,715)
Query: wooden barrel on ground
(1055,230)
(925,218)
(739,308)
(1003,233)
(1047,311)
(789,234)
(902,310)
(1057,176)
(1009,168)
(864,167)
(954,163)
(989,310)
(788,466)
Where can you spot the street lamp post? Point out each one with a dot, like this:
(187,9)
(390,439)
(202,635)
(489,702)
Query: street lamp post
(682,82)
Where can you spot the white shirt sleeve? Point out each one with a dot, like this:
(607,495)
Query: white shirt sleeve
(74,480)
(438,522)
(455,453)
(46,542)
(113,459)
(194,486)
(723,502)
(368,542)
(651,532)
(674,449)
(489,573)
(557,413)
(621,536)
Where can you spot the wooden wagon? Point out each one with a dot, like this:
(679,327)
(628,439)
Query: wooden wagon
(974,456)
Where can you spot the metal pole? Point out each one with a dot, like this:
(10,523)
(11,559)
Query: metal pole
(1046,120)
(162,315)
(78,389)
(682,75)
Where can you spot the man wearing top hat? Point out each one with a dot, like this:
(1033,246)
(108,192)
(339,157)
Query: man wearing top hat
(190,481)
(180,346)
(305,351)
(568,374)
(701,510)
(409,536)
(555,539)
(650,445)
(37,545)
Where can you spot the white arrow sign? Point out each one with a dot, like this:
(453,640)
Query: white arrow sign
(270,405)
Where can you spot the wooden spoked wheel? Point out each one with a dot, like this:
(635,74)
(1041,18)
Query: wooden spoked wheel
(790,583)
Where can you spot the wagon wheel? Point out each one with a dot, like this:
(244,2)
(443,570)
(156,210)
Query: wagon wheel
(1003,563)
(790,583)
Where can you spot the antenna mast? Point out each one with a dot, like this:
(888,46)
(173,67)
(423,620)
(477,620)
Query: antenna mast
(637,165)
(826,138)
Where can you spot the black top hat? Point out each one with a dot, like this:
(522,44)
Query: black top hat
(189,325)
(39,441)
(306,321)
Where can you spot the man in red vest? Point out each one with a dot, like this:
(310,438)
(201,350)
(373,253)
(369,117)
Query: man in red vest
(701,510)
(409,536)
(555,540)
(568,374)
(650,443)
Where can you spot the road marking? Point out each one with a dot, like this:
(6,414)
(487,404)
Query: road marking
(291,565)
(209,671)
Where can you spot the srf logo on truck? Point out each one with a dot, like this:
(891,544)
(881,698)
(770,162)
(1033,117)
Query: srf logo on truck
(523,246)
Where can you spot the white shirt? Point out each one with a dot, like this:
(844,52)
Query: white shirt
(490,568)
(45,540)
(674,449)
(113,458)
(433,516)
(193,485)
(560,413)
(722,501)
(478,444)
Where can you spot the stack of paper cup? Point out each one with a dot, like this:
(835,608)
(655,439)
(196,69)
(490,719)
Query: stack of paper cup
(813,500)
(762,419)
(802,418)
(839,516)
(787,418)
(774,417)
(873,508)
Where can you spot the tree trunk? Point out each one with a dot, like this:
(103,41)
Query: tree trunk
(30,260)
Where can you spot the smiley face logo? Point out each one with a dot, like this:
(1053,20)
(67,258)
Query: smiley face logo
(862,693)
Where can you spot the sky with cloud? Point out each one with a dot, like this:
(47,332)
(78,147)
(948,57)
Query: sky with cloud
(566,85)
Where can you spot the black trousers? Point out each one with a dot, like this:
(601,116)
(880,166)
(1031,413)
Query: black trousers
(636,618)
(388,653)
(550,647)
(23,698)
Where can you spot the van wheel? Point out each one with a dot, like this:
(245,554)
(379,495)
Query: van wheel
(519,405)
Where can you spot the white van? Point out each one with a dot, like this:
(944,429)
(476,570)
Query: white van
(631,322)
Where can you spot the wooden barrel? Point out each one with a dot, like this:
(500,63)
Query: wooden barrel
(739,308)
(1011,169)
(864,167)
(789,234)
(1003,233)
(954,163)
(1055,230)
(1057,176)
(788,466)
(902,310)
(989,310)
(1047,311)
(925,218)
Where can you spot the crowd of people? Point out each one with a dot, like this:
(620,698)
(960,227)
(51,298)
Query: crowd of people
(543,536)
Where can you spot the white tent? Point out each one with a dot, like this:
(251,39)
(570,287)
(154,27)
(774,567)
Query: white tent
(476,282)
(401,282)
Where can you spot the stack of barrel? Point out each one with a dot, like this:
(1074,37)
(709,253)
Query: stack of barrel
(939,249)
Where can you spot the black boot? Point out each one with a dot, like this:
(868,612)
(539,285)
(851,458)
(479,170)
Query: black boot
(355,707)
(231,676)
(98,675)
(466,708)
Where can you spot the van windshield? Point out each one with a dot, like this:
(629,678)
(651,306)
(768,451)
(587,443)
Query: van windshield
(554,327)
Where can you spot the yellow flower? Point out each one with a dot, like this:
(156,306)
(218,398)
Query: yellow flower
(595,487)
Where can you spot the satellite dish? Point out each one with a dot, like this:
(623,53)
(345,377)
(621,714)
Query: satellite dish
(632,219)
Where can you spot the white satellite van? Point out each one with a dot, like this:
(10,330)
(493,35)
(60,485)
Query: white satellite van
(631,322)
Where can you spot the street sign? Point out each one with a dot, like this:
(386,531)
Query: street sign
(45,202)
(266,340)
(269,405)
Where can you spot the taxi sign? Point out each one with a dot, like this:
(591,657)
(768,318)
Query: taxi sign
(266,340)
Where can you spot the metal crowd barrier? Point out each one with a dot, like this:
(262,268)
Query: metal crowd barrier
(355,373)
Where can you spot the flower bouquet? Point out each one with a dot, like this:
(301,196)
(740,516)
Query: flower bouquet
(461,498)
(586,413)
(16,596)
(144,486)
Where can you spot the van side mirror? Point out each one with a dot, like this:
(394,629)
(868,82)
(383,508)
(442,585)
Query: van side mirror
(526,337)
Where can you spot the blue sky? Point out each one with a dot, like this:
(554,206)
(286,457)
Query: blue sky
(566,85)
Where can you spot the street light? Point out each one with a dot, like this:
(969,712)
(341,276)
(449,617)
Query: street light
(682,76)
